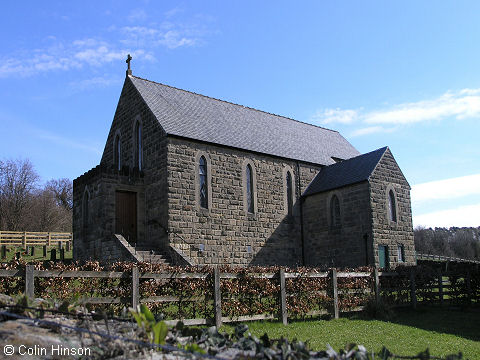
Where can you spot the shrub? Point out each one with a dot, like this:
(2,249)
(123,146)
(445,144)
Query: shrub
(378,310)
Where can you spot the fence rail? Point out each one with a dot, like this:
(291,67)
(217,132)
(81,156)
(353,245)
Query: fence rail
(442,258)
(408,289)
(30,238)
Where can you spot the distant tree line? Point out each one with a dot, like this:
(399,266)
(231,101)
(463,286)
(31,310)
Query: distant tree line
(27,205)
(453,242)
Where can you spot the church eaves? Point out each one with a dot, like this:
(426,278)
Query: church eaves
(198,117)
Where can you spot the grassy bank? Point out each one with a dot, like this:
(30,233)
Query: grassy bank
(442,331)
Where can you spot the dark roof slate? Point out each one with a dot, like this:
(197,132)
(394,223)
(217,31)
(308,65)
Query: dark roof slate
(186,114)
(344,173)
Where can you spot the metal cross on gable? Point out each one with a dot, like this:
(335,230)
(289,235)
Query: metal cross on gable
(129,58)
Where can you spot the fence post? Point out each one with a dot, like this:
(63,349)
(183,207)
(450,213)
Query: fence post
(29,281)
(440,286)
(283,298)
(377,286)
(49,238)
(135,292)
(413,293)
(335,293)
(24,240)
(217,297)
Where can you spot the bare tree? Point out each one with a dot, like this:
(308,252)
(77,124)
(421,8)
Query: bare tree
(63,190)
(25,206)
(48,214)
(18,181)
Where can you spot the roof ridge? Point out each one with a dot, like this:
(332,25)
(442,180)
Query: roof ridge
(232,103)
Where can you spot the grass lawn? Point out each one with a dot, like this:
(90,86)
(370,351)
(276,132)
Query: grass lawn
(410,332)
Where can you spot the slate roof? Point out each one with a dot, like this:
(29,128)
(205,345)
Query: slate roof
(190,115)
(344,173)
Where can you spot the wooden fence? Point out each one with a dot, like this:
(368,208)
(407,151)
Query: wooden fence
(409,289)
(27,238)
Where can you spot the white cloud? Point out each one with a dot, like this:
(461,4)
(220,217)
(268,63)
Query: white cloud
(371,130)
(446,189)
(172,12)
(462,104)
(174,39)
(67,142)
(459,105)
(463,216)
(337,115)
(99,81)
(137,15)
(64,57)
(77,53)
(167,36)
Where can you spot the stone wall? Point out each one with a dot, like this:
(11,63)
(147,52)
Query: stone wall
(130,109)
(388,175)
(226,233)
(344,245)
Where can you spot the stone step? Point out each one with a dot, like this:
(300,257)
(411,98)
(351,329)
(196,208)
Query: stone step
(153,255)
(146,252)
(145,249)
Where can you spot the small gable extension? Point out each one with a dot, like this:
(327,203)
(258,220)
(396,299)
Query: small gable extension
(348,172)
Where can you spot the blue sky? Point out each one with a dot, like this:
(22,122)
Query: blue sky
(403,74)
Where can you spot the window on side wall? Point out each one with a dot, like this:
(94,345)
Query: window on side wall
(138,146)
(383,262)
(85,210)
(401,253)
(249,190)
(289,193)
(203,182)
(392,206)
(118,153)
(335,217)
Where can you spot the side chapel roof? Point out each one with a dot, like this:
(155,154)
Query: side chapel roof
(346,172)
(190,115)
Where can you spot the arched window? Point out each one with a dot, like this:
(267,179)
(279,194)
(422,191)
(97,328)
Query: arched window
(249,179)
(203,186)
(85,209)
(334,211)
(289,193)
(118,153)
(392,207)
(138,146)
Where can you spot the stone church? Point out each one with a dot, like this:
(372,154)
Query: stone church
(188,179)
